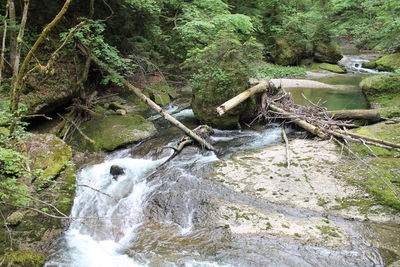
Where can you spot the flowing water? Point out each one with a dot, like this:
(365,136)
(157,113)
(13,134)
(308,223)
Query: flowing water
(163,216)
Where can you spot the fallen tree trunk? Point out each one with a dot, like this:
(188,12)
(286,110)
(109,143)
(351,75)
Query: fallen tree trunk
(302,123)
(356,114)
(367,138)
(150,103)
(230,104)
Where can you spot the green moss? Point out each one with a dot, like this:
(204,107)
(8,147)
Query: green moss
(386,63)
(161,98)
(328,230)
(116,106)
(23,258)
(114,131)
(378,85)
(49,154)
(331,68)
(288,52)
(382,131)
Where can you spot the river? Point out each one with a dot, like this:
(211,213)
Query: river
(165,216)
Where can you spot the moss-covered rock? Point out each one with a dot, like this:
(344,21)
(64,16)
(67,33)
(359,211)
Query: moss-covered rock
(113,131)
(382,131)
(288,52)
(328,52)
(161,98)
(49,154)
(222,71)
(26,258)
(386,63)
(331,68)
(383,91)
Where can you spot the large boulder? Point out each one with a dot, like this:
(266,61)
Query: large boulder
(111,132)
(386,63)
(383,91)
(222,70)
(328,52)
(288,53)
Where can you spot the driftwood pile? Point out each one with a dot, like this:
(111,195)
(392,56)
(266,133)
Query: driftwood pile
(274,104)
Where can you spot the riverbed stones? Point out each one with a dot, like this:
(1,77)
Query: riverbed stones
(116,171)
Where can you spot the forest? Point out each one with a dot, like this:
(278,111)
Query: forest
(82,82)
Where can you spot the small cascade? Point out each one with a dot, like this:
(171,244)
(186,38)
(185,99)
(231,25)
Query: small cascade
(353,64)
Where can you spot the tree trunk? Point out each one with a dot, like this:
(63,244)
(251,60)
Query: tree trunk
(233,102)
(356,114)
(17,85)
(151,104)
(13,30)
(20,38)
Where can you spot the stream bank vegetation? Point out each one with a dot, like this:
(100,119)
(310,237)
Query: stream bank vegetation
(63,62)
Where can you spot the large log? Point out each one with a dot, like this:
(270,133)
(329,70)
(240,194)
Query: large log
(149,102)
(356,114)
(233,102)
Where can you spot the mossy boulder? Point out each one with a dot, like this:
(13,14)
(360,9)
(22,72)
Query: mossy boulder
(111,132)
(288,52)
(25,258)
(386,63)
(222,71)
(331,68)
(383,91)
(382,131)
(49,154)
(327,52)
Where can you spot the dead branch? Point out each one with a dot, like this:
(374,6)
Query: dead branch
(287,147)
(356,114)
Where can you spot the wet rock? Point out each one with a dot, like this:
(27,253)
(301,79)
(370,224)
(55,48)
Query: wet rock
(116,171)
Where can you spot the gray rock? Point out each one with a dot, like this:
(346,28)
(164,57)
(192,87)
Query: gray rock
(116,171)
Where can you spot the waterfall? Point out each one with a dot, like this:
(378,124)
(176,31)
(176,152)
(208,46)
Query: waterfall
(353,64)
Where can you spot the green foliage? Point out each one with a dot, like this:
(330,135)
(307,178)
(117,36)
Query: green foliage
(92,36)
(276,71)
(370,23)
(222,69)
(204,21)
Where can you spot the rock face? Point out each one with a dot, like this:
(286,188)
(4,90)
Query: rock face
(287,54)
(386,63)
(30,230)
(111,132)
(327,52)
